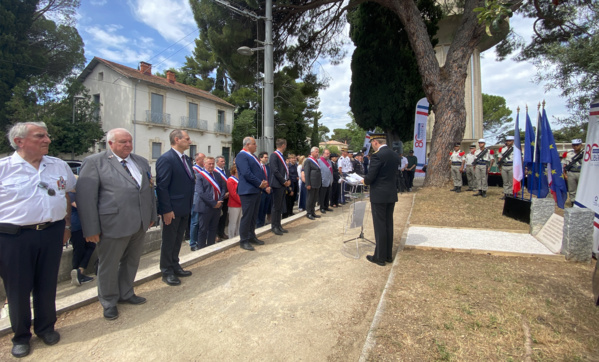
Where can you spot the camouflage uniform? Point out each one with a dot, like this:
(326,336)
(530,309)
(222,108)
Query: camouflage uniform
(574,173)
(469,157)
(507,169)
(457,161)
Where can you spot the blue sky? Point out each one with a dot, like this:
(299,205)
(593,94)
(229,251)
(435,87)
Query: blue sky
(162,32)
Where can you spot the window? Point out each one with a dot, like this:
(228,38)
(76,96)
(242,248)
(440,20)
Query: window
(157,108)
(221,121)
(193,115)
(192,151)
(156,150)
(97,109)
(209,150)
(101,76)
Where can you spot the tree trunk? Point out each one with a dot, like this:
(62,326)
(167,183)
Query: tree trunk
(445,86)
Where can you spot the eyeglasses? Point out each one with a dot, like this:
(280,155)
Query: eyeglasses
(45,186)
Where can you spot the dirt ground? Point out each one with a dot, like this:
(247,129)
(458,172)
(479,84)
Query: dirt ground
(299,297)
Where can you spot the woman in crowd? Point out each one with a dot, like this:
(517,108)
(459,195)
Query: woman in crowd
(234,203)
(302,196)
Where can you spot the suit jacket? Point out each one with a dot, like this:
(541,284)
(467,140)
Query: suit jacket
(250,174)
(108,200)
(174,187)
(382,176)
(205,201)
(278,171)
(327,175)
(312,174)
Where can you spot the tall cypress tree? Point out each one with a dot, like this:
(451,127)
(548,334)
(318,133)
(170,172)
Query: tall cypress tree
(386,84)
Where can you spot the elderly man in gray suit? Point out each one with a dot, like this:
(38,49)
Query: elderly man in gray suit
(116,205)
(313,181)
(326,170)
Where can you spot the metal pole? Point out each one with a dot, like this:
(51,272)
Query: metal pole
(73,121)
(269,123)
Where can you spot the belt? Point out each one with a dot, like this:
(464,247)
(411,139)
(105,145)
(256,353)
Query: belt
(482,163)
(12,229)
(38,227)
(508,164)
(574,171)
(456,163)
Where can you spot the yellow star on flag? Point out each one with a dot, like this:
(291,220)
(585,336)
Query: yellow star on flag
(553,172)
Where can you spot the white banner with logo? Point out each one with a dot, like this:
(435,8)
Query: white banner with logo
(420,134)
(587,194)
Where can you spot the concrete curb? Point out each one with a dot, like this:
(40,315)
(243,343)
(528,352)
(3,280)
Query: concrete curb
(90,296)
(380,309)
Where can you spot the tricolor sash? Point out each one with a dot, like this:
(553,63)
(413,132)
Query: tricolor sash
(280,156)
(324,160)
(313,160)
(197,169)
(252,157)
(222,173)
(208,176)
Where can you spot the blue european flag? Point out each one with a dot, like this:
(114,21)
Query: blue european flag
(550,156)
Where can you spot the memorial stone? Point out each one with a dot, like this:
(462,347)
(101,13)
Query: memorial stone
(540,212)
(577,244)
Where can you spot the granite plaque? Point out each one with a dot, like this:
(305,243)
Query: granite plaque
(552,233)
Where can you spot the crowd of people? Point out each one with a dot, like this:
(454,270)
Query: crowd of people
(115,200)
(477,163)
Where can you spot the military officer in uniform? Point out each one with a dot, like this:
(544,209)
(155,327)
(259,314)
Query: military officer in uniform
(456,158)
(381,177)
(506,165)
(468,159)
(482,163)
(572,166)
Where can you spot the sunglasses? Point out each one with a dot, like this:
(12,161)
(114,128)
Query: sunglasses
(45,186)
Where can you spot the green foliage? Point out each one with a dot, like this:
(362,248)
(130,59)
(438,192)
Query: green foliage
(493,14)
(564,49)
(386,84)
(244,126)
(36,54)
(496,115)
(68,134)
(352,134)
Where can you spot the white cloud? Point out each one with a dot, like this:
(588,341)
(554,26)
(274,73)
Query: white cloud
(173,19)
(98,2)
(107,43)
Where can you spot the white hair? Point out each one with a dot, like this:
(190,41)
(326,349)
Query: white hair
(247,141)
(111,135)
(20,130)
(314,149)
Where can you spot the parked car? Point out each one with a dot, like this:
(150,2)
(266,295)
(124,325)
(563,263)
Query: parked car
(75,165)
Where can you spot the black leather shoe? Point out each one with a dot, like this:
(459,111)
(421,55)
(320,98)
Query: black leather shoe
(111,313)
(223,237)
(479,193)
(257,241)
(246,246)
(171,279)
(283,230)
(182,273)
(323,211)
(276,231)
(309,216)
(194,248)
(135,300)
(20,350)
(50,338)
(389,260)
(329,210)
(316,216)
(371,259)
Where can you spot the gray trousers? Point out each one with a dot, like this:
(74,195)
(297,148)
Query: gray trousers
(456,175)
(470,176)
(118,262)
(480,173)
(507,175)
(573,184)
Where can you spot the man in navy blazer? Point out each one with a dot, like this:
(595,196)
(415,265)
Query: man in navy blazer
(251,181)
(211,190)
(279,180)
(174,186)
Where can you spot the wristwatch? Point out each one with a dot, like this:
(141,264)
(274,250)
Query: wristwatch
(68,227)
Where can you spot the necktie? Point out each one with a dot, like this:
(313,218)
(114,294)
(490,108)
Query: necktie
(186,167)
(124,163)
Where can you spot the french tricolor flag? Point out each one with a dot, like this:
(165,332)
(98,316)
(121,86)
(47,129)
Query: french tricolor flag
(518,171)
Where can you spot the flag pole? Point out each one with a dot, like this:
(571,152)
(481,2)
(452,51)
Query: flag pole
(518,130)
(537,133)
(531,166)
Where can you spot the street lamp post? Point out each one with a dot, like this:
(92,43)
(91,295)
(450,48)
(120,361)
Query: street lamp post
(75,99)
(269,91)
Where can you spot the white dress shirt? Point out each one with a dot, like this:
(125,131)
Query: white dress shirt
(23,201)
(132,168)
